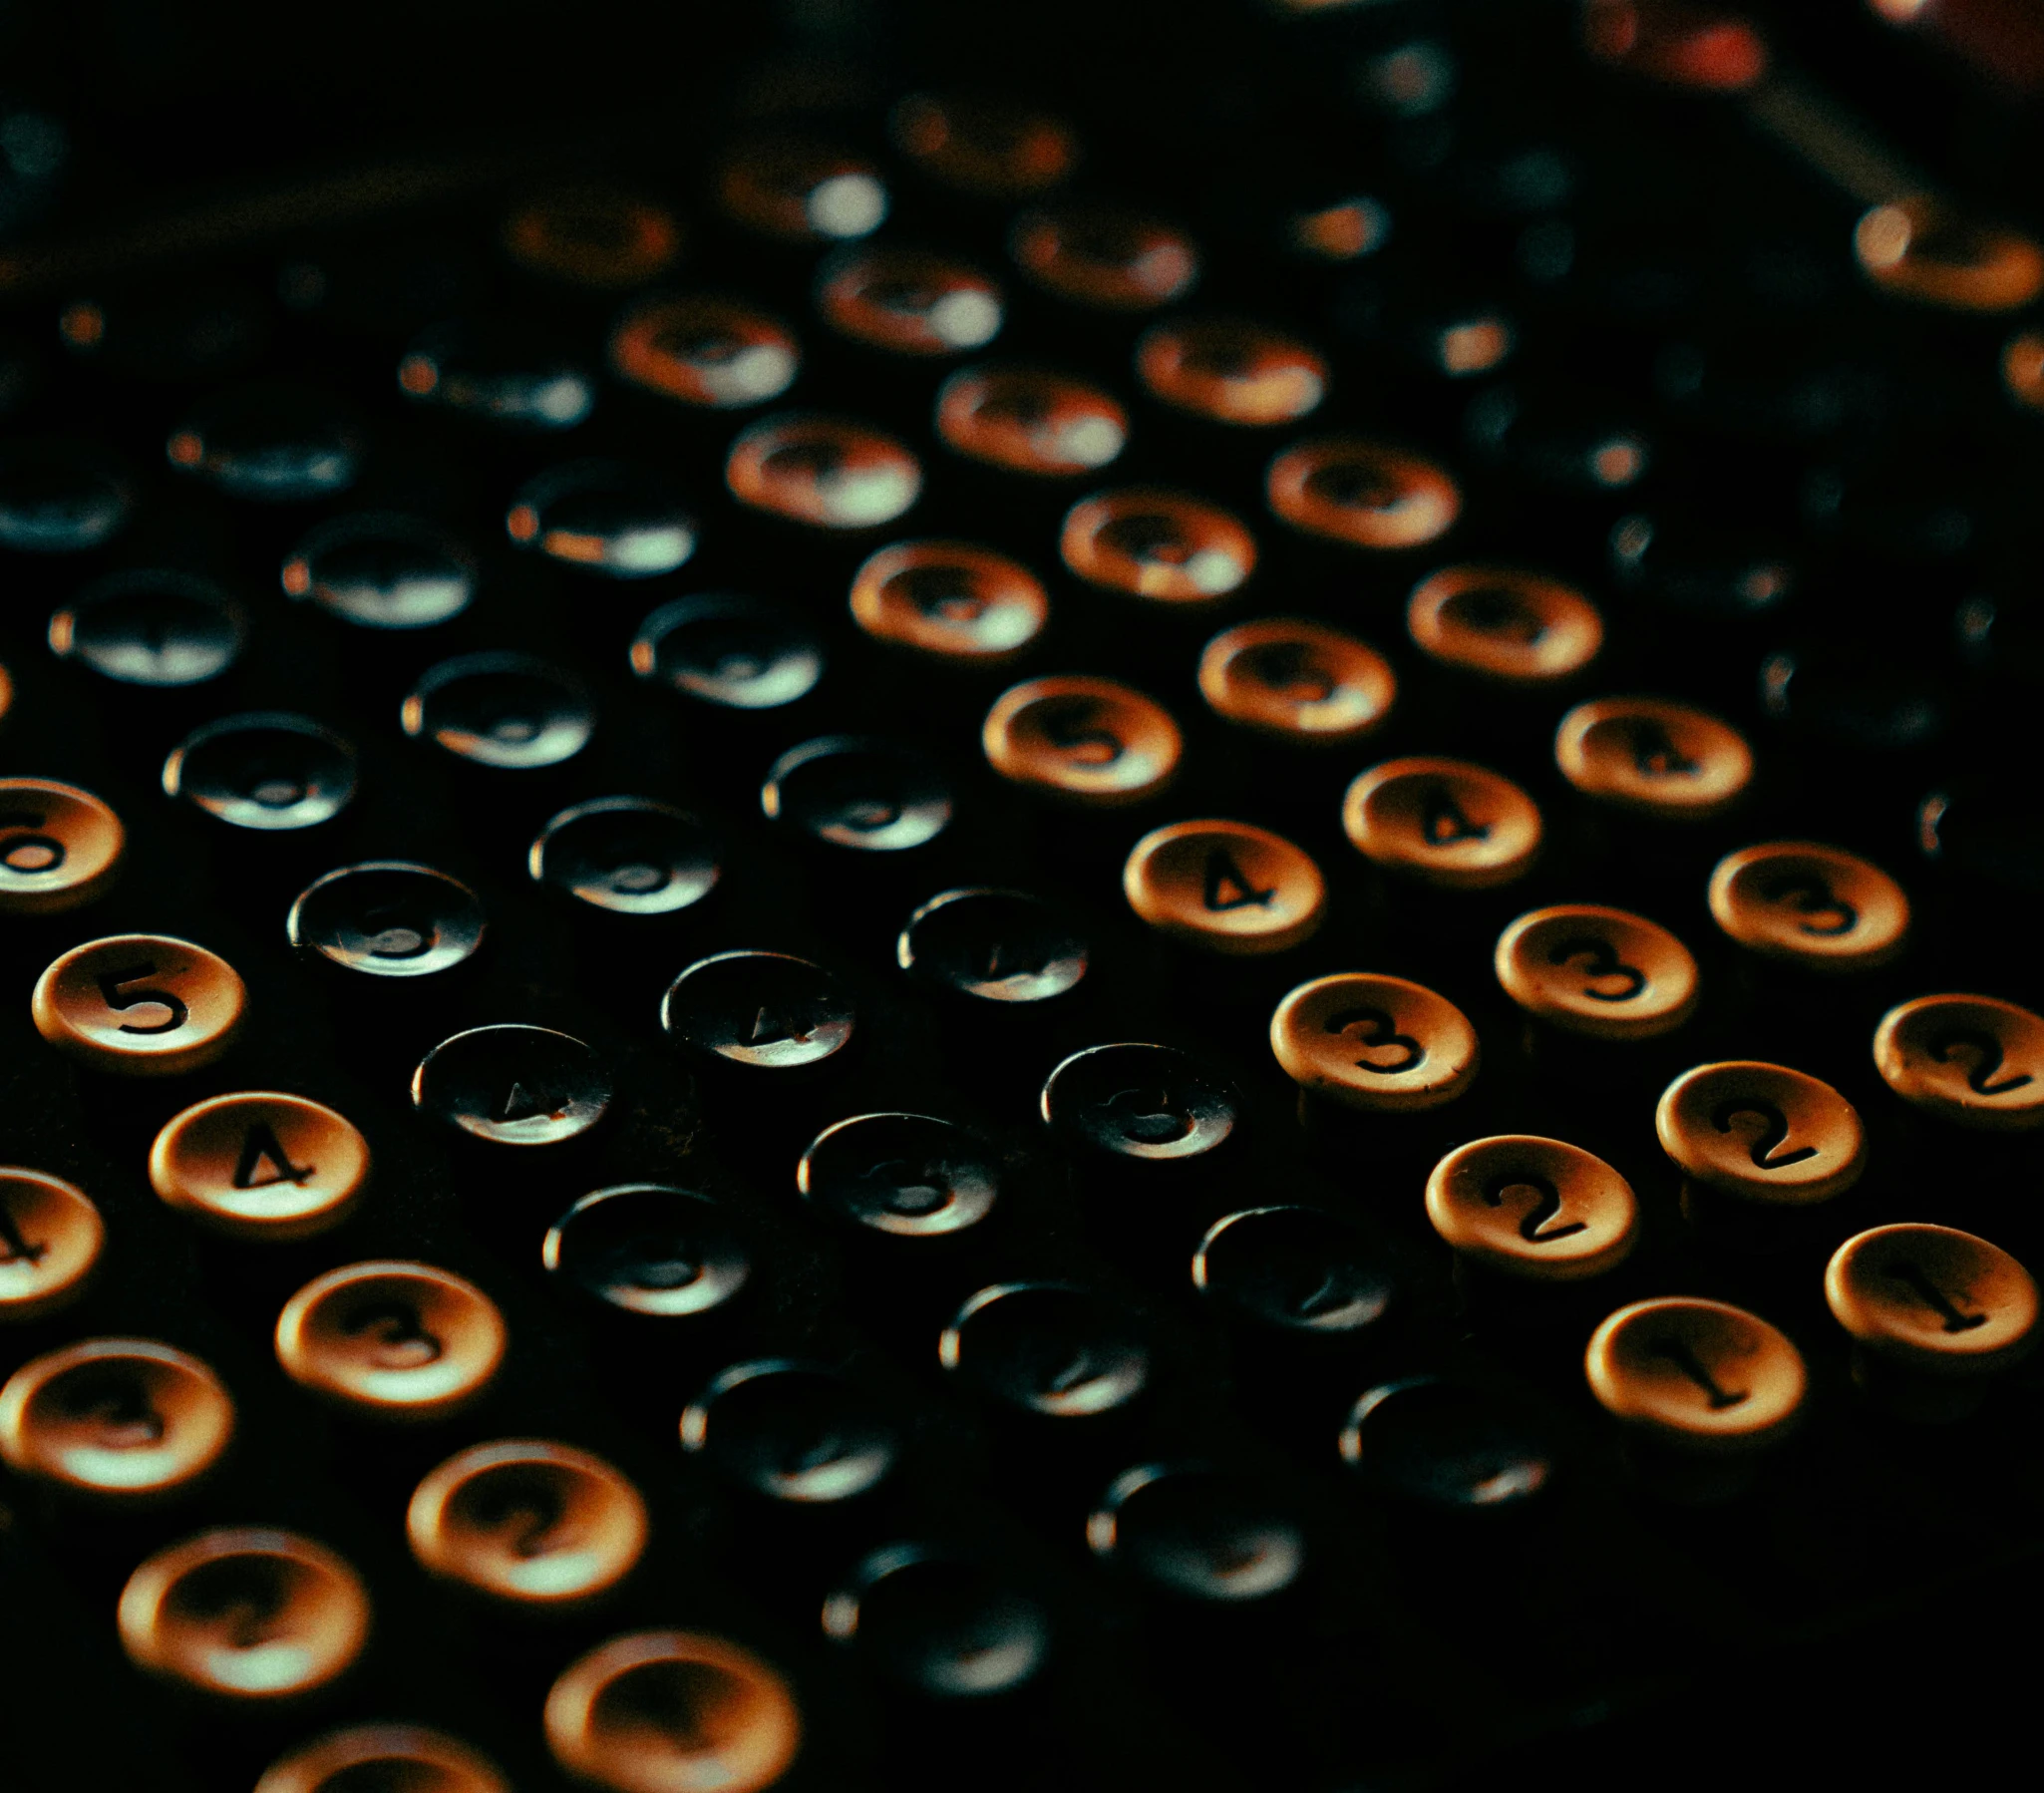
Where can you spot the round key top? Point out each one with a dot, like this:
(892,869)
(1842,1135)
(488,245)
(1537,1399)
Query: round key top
(59,497)
(50,1235)
(1762,1132)
(1431,1442)
(266,771)
(1195,1530)
(1600,972)
(870,796)
(990,148)
(1138,1101)
(908,1175)
(740,654)
(513,1084)
(1658,758)
(1365,494)
(274,443)
(60,847)
(1091,740)
(398,1755)
(388,919)
(506,710)
(605,516)
(1920,248)
(1535,1207)
(139,1004)
(382,570)
(827,471)
(649,1249)
(1025,420)
(120,1418)
(792,1431)
(1049,1349)
(592,237)
(1227,886)
(500,371)
(1374,1042)
(952,600)
(801,191)
(1502,623)
(1445,821)
(1932,1298)
(672,1713)
(908,301)
(628,856)
(246,1613)
(1230,372)
(996,946)
(1105,257)
(1701,1374)
(391,1340)
(939,1623)
(151,627)
(1811,906)
(261,1165)
(771,1010)
(530,1521)
(706,351)
(1975,1060)
(1151,543)
(1298,1269)
(1297,680)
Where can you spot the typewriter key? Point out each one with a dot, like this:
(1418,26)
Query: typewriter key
(870,796)
(827,471)
(506,710)
(274,443)
(1364,494)
(1195,1530)
(1090,740)
(246,1613)
(382,570)
(50,1238)
(984,147)
(139,1004)
(1700,1376)
(1104,258)
(1297,680)
(591,238)
(498,371)
(908,302)
(1230,372)
(1763,1133)
(2022,373)
(951,599)
(514,1085)
(261,1165)
(1660,759)
(1920,248)
(266,770)
(740,654)
(672,1713)
(1026,421)
(939,1623)
(649,1249)
(1373,1042)
(1970,1059)
(1518,627)
(1445,821)
(792,1431)
(151,627)
(60,847)
(407,1756)
(771,1010)
(1225,885)
(1049,1349)
(628,856)
(1811,906)
(388,919)
(1160,545)
(1598,971)
(59,497)
(713,352)
(1450,1446)
(527,1521)
(800,191)
(1134,1101)
(997,945)
(391,1340)
(1932,1300)
(914,1176)
(122,1418)
(1538,1209)
(1298,1269)
(605,516)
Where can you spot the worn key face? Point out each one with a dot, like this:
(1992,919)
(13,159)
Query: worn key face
(628,856)
(50,1235)
(1698,1374)
(1030,421)
(392,1339)
(1049,1349)
(872,795)
(1932,1298)
(153,626)
(829,473)
(1811,906)
(1443,822)
(1975,1060)
(1230,371)
(261,1165)
(1296,680)
(649,1249)
(792,1431)
(116,1418)
(59,845)
(267,771)
(740,654)
(1142,1102)
(1533,1208)
(1452,1446)
(995,945)
(1299,1269)
(1227,886)
(506,710)
(1503,624)
(1363,493)
(1191,1530)
(1373,1042)
(1087,740)
(1151,542)
(908,1175)
(382,570)
(938,1621)
(705,350)
(1104,258)
(954,600)
(1657,758)
(613,518)
(908,301)
(380,1755)
(388,919)
(1600,972)
(767,1010)
(139,1006)
(1762,1132)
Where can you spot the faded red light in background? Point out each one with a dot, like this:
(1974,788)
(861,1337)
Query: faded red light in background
(1675,41)
(2003,38)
